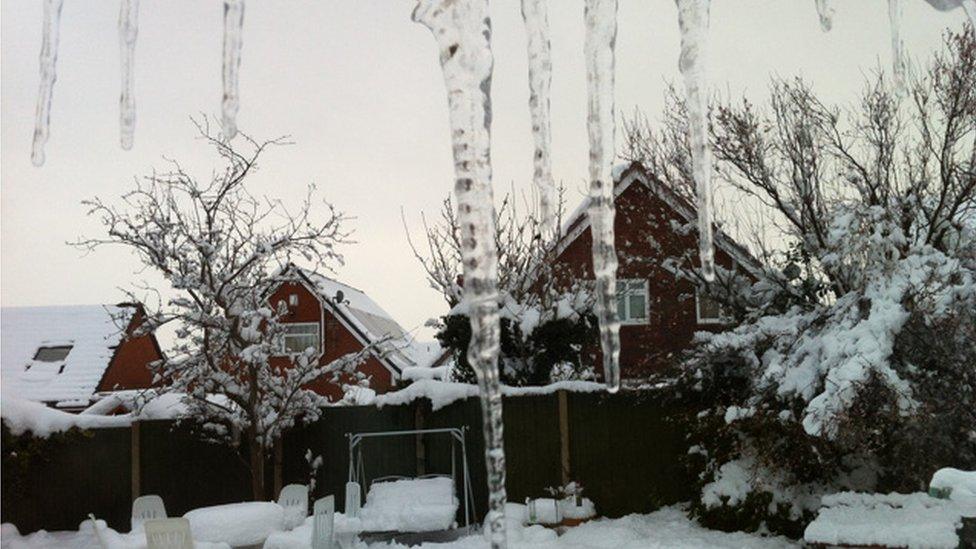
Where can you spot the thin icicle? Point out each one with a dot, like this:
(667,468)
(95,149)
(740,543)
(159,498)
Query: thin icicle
(693,22)
(49,61)
(462,30)
(233,23)
(898,60)
(826,13)
(599,43)
(536,17)
(128,30)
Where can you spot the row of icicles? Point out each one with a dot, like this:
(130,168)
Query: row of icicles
(128,31)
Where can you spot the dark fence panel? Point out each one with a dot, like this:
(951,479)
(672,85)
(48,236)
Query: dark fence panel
(56,482)
(625,452)
(188,472)
(327,438)
(622,448)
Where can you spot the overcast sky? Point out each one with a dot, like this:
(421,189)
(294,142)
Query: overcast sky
(358,87)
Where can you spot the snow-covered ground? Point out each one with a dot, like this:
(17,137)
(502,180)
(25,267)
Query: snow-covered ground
(668,527)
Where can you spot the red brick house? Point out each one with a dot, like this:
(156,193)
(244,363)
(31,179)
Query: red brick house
(338,319)
(71,356)
(659,313)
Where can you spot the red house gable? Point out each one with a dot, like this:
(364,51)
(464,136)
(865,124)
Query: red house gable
(344,320)
(661,312)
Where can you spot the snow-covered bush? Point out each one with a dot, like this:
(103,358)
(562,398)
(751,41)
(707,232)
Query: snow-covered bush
(854,364)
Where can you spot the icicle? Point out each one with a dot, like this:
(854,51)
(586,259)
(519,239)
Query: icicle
(897,47)
(601,36)
(128,30)
(693,21)
(49,60)
(969,6)
(462,30)
(233,21)
(826,13)
(536,17)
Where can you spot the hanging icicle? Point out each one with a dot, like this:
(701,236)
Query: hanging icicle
(49,61)
(462,30)
(536,17)
(826,13)
(693,22)
(599,44)
(128,30)
(898,61)
(233,23)
(969,6)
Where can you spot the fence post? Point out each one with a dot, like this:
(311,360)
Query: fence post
(136,465)
(564,435)
(418,420)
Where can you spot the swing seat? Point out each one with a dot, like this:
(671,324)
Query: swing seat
(424,504)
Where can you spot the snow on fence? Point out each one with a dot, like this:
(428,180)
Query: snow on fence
(619,447)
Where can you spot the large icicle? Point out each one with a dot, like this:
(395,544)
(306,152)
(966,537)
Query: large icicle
(898,60)
(233,23)
(535,14)
(826,14)
(128,30)
(599,43)
(462,30)
(49,61)
(693,22)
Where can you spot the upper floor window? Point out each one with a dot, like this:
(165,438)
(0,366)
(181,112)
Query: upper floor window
(52,354)
(299,336)
(632,301)
(708,310)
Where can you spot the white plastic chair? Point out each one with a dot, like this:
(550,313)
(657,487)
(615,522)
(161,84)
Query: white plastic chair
(147,508)
(353,499)
(294,495)
(323,523)
(171,533)
(294,500)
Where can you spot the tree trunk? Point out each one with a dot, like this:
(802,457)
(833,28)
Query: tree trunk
(257,467)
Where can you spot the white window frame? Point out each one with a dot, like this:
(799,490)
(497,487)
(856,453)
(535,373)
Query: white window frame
(647,302)
(318,329)
(719,321)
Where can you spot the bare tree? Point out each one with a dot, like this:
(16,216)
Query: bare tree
(219,247)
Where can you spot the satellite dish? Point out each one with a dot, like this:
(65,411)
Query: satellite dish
(340,296)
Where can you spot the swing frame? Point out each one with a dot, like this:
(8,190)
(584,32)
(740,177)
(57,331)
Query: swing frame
(457,435)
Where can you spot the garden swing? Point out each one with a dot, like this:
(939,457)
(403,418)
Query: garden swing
(403,509)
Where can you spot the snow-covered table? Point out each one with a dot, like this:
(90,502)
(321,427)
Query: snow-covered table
(237,524)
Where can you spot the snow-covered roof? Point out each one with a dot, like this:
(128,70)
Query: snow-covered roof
(91,331)
(366,318)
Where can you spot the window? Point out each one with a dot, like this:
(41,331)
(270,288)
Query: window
(632,301)
(300,336)
(52,354)
(708,310)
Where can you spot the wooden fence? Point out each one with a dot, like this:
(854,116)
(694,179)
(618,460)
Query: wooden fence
(622,448)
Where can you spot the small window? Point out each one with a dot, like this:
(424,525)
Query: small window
(709,311)
(52,354)
(300,336)
(632,301)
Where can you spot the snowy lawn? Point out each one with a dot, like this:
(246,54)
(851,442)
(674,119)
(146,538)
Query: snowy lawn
(668,527)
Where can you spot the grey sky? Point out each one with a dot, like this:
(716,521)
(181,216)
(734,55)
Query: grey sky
(358,87)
